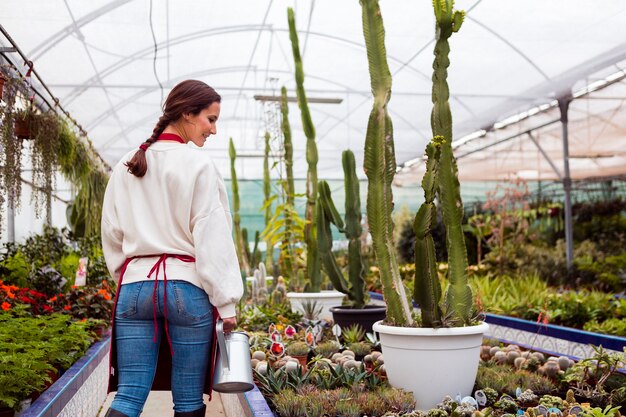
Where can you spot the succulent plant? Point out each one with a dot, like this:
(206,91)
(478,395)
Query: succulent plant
(279,294)
(506,404)
(313,258)
(441,179)
(528,397)
(491,394)
(240,244)
(380,167)
(327,349)
(354,286)
(259,285)
(360,348)
(353,333)
(550,401)
(297,349)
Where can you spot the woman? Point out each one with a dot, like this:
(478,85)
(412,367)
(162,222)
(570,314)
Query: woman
(166,236)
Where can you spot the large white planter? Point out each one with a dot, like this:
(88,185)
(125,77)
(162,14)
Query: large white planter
(324,299)
(431,363)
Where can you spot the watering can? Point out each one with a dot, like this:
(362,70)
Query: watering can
(233,369)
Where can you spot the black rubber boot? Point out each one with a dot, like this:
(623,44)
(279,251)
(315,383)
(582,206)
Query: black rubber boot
(114,413)
(198,413)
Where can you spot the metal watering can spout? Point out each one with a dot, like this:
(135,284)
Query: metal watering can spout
(233,369)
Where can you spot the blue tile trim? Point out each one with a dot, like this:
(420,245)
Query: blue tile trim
(560,332)
(55,398)
(257,403)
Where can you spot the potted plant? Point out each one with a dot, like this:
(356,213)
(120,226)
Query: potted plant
(431,361)
(357,312)
(23,123)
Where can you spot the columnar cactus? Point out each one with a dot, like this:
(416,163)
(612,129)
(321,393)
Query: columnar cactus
(259,285)
(442,177)
(380,167)
(239,241)
(267,190)
(327,214)
(287,256)
(313,258)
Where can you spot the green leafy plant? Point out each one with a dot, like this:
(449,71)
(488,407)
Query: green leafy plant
(599,412)
(313,259)
(286,227)
(354,287)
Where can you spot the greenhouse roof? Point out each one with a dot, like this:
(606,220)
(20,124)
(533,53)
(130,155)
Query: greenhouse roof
(510,60)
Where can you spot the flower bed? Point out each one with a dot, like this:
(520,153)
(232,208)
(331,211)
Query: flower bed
(80,391)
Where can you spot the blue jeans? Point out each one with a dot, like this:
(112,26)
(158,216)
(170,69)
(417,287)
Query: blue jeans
(190,324)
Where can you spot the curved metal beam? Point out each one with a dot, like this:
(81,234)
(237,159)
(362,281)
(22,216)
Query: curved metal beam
(46,46)
(513,47)
(203,34)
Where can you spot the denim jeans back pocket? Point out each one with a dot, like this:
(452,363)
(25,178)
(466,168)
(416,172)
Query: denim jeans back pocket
(191,302)
(127,300)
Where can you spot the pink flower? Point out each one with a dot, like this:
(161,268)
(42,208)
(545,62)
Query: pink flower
(290,331)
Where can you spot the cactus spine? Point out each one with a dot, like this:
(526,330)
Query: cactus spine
(327,214)
(313,259)
(267,190)
(442,178)
(240,243)
(380,167)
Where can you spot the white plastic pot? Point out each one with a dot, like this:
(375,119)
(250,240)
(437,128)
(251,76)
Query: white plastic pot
(431,363)
(324,299)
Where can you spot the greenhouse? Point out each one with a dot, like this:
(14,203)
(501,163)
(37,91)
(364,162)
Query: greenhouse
(373,208)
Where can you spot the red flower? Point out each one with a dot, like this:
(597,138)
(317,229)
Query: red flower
(6,306)
(67,308)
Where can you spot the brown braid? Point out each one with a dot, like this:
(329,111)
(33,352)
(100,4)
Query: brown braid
(189,96)
(138,164)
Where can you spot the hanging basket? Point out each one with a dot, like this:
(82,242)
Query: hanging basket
(22,128)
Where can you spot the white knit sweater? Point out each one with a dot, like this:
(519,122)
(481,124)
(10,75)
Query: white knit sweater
(179,207)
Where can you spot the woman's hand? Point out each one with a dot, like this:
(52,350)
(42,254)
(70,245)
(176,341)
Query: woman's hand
(229,324)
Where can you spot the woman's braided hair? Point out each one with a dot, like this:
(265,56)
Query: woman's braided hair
(190,96)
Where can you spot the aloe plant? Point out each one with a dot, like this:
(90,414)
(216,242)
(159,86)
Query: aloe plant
(380,167)
(327,214)
(241,251)
(313,258)
(441,178)
(267,190)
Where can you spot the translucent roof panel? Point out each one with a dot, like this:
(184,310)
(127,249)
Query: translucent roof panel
(98,57)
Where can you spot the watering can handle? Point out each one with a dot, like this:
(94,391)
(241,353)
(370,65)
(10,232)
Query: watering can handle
(221,342)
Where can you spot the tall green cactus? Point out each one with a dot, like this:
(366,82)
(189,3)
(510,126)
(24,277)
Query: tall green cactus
(443,178)
(327,214)
(427,289)
(241,252)
(267,191)
(287,255)
(380,167)
(313,258)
